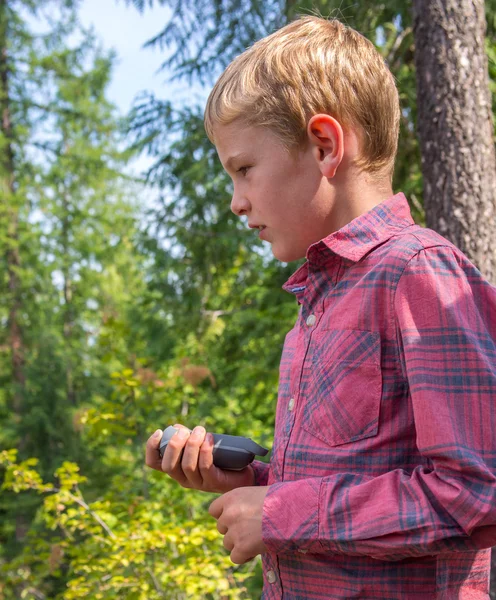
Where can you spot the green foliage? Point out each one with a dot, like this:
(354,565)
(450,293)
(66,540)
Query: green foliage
(135,548)
(136,317)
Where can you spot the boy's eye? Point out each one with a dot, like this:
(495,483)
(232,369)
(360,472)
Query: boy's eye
(243,170)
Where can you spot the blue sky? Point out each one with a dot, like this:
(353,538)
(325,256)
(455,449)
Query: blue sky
(121,27)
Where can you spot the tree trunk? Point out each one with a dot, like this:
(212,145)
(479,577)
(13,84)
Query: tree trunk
(11,212)
(455,126)
(10,209)
(68,291)
(456,131)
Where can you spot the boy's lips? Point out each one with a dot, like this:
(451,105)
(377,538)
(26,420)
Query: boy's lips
(261,229)
(255,226)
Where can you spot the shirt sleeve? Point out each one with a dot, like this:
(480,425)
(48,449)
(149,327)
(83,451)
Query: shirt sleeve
(261,471)
(446,328)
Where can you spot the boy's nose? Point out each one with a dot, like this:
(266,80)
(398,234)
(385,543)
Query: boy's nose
(239,205)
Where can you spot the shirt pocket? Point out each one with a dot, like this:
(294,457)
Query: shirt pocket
(344,386)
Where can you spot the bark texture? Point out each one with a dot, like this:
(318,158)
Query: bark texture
(10,213)
(455,126)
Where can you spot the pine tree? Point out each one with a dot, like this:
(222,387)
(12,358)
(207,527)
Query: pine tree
(456,126)
(64,218)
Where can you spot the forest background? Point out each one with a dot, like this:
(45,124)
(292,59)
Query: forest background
(131,303)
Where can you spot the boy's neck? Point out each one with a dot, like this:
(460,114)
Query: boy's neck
(356,194)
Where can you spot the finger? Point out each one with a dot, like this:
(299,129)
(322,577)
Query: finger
(216,508)
(212,476)
(239,557)
(152,457)
(222,527)
(228,542)
(171,461)
(189,462)
(206,456)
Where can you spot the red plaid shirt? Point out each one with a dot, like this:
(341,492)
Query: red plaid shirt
(383,470)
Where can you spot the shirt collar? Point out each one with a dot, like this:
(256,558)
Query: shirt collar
(357,238)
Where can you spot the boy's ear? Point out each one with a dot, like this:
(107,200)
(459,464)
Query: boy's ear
(327,139)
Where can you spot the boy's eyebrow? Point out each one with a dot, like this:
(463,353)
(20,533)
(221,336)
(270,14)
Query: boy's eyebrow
(233,158)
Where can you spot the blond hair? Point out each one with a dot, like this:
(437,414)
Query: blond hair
(311,66)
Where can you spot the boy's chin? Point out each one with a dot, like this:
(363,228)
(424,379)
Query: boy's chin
(287,254)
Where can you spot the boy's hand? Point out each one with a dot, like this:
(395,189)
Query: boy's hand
(195,468)
(239,519)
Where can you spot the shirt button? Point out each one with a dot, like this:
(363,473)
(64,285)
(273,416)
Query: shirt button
(302,551)
(311,320)
(271,577)
(291,404)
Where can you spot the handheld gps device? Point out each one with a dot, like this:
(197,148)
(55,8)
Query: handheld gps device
(231,452)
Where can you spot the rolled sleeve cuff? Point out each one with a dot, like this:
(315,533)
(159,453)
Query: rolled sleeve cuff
(290,521)
(261,471)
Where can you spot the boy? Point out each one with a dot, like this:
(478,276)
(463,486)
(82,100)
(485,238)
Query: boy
(382,481)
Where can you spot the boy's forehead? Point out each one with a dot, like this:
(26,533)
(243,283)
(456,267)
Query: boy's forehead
(231,133)
(234,141)
(238,139)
